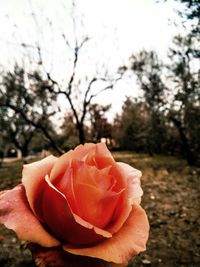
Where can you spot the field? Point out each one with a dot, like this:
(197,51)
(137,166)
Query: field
(171,199)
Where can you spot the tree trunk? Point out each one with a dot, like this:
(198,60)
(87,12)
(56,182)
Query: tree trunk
(184,142)
(81,133)
(24,151)
(1,157)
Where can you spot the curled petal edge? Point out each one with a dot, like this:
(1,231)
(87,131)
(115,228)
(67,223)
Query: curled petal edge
(33,176)
(15,214)
(78,219)
(125,244)
(132,176)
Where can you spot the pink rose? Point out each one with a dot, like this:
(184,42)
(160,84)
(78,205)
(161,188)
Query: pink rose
(83,201)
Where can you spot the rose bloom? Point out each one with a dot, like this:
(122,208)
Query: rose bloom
(83,201)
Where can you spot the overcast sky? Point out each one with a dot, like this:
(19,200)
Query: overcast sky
(116,28)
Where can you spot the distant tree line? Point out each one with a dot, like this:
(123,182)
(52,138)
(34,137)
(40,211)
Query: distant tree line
(164,120)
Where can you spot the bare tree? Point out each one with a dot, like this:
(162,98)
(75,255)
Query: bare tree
(77,91)
(78,94)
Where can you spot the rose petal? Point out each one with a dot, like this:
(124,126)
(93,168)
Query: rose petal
(91,175)
(61,165)
(102,151)
(93,154)
(125,244)
(103,156)
(99,156)
(66,187)
(121,214)
(95,206)
(33,175)
(81,151)
(57,257)
(78,154)
(15,214)
(66,225)
(133,182)
(134,192)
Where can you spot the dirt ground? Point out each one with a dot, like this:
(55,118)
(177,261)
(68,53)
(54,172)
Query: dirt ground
(171,200)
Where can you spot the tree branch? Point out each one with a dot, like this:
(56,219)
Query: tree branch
(31,122)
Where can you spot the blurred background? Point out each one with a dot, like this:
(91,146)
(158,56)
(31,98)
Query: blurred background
(123,72)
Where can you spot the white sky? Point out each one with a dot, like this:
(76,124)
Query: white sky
(117,29)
